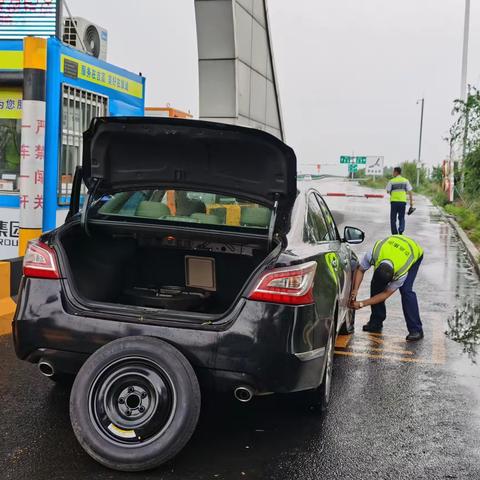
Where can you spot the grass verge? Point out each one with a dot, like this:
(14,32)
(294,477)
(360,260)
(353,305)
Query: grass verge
(468,218)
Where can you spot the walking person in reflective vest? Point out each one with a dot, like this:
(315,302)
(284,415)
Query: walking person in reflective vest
(396,261)
(398,187)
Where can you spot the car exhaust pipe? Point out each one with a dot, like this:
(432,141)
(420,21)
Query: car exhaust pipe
(243,394)
(46,368)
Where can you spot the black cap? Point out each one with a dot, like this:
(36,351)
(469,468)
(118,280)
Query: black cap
(383,274)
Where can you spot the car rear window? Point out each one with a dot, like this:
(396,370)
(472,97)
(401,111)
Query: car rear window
(187,207)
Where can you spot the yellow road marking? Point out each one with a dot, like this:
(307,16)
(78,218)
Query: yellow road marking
(343,341)
(390,350)
(391,347)
(393,344)
(384,357)
(438,347)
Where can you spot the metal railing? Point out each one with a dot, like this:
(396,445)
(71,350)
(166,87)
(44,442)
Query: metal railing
(79,107)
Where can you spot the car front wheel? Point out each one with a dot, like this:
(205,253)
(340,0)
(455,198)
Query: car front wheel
(348,325)
(325,388)
(135,403)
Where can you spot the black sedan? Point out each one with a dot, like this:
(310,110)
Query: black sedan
(194,260)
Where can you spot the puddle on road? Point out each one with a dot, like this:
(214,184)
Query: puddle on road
(463,326)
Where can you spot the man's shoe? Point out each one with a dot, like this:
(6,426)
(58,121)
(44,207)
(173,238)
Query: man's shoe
(371,328)
(414,336)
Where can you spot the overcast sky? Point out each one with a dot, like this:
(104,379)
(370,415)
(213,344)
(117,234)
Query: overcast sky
(349,71)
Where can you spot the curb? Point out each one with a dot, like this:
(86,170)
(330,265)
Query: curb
(472,250)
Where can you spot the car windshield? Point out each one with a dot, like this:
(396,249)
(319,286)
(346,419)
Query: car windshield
(182,206)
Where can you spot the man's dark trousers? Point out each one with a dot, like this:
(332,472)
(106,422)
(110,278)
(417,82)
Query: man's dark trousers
(409,302)
(397,209)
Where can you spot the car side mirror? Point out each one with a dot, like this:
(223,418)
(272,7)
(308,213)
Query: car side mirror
(353,235)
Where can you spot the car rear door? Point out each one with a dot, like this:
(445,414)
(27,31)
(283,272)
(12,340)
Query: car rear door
(327,279)
(342,253)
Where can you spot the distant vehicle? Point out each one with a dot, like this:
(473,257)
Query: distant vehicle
(307,177)
(144,295)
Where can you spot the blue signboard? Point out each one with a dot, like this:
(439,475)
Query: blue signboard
(123,91)
(66,66)
(19,18)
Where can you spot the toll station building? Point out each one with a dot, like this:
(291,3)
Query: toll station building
(78,87)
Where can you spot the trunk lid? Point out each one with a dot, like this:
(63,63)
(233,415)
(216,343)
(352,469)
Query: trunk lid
(123,153)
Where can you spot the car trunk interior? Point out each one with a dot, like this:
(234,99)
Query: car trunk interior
(158,269)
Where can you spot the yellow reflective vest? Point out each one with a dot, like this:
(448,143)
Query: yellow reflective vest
(400,250)
(398,192)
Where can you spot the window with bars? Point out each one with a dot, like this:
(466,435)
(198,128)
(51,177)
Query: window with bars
(78,108)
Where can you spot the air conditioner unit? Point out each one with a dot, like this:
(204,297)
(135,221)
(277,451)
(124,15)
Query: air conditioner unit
(83,35)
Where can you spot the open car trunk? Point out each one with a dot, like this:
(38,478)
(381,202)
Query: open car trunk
(154,185)
(158,270)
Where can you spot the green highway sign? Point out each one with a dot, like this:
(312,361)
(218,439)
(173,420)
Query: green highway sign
(349,159)
(353,167)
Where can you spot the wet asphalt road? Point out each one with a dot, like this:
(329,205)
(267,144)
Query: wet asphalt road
(399,411)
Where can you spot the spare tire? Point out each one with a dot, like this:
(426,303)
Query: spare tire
(135,403)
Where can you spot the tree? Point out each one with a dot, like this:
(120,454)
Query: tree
(409,170)
(437,175)
(472,172)
(465,131)
(466,128)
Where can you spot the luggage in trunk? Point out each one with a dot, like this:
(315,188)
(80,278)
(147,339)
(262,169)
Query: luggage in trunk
(170,297)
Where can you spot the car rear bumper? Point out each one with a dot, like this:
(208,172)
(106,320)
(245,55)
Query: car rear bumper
(269,347)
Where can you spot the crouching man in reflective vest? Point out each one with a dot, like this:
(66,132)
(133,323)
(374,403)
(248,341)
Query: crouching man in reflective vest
(396,261)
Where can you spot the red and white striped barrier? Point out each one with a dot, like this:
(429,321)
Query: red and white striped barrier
(374,195)
(365,195)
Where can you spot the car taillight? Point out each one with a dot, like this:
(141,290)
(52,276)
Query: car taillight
(291,285)
(40,261)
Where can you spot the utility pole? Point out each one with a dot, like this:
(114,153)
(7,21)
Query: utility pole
(422,100)
(465,139)
(466,31)
(463,88)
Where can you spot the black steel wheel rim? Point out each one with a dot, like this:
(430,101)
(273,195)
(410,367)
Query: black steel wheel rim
(351,320)
(132,401)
